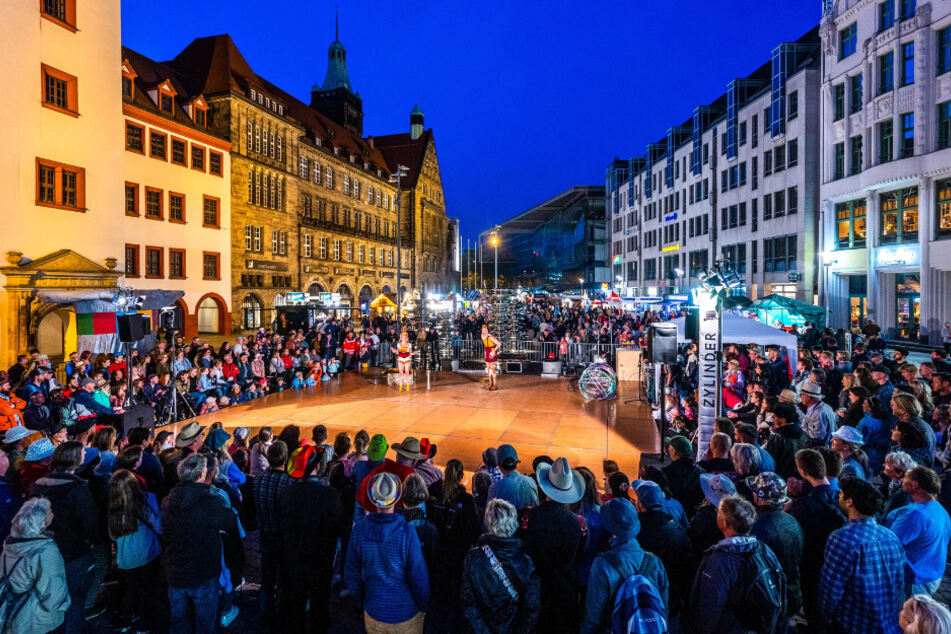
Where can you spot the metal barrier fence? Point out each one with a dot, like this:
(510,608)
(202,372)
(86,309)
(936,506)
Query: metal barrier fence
(535,351)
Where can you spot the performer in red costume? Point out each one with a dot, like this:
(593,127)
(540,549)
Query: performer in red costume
(492,346)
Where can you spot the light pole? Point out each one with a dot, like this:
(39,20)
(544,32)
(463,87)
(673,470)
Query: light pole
(494,241)
(680,275)
(401,171)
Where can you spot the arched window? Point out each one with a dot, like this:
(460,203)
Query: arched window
(251,309)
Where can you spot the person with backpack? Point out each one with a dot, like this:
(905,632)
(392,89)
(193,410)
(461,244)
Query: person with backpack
(740,586)
(628,587)
(33,592)
(501,591)
(781,532)
(862,586)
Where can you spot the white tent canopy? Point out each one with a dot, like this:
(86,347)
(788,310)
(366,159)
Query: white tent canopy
(743,330)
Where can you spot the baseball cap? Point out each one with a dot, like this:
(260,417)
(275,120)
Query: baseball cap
(507,456)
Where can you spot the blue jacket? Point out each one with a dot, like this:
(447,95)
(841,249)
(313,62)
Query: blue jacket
(877,435)
(139,548)
(87,401)
(609,571)
(385,568)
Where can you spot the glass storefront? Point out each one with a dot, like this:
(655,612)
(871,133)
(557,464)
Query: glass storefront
(907,306)
(858,300)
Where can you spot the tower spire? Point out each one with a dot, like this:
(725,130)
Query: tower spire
(336,24)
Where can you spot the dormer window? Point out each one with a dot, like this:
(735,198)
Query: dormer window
(280,111)
(336,151)
(128,79)
(254,94)
(198,109)
(199,117)
(267,102)
(166,94)
(352,158)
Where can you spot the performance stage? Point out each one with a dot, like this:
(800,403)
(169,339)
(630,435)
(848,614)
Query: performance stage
(538,416)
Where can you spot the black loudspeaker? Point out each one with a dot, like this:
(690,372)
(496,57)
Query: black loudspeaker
(130,327)
(138,416)
(692,323)
(662,343)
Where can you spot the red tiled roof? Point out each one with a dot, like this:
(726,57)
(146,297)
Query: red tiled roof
(215,65)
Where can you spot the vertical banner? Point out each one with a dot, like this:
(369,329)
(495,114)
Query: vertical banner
(710,373)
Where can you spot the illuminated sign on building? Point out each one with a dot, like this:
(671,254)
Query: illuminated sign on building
(898,255)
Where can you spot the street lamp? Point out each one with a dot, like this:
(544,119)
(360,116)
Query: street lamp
(680,274)
(401,171)
(494,241)
(581,281)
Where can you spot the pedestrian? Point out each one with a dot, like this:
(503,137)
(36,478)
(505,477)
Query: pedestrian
(266,490)
(385,568)
(728,595)
(75,525)
(924,529)
(33,568)
(664,536)
(683,474)
(615,567)
(555,539)
(311,520)
(923,615)
(135,527)
(518,490)
(782,533)
(786,439)
(193,519)
(862,585)
(500,590)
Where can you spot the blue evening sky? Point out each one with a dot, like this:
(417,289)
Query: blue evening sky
(526,97)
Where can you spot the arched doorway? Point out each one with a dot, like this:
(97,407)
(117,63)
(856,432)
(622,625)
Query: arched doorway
(251,309)
(346,295)
(208,316)
(315,289)
(366,294)
(52,334)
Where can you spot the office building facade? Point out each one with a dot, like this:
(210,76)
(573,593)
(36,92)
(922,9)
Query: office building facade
(886,166)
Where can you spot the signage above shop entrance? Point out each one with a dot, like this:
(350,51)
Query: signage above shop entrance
(899,255)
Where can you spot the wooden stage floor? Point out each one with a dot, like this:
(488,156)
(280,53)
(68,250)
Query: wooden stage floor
(538,416)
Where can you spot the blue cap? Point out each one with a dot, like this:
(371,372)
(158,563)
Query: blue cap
(619,517)
(217,438)
(40,449)
(651,495)
(507,456)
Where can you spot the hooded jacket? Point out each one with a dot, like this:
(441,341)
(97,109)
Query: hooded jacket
(35,565)
(719,586)
(783,445)
(488,606)
(193,519)
(75,526)
(385,568)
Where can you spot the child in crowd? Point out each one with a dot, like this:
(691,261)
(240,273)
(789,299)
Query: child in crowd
(333,367)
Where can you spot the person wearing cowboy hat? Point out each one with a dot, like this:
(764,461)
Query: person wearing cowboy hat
(778,530)
(188,441)
(310,518)
(820,420)
(556,538)
(847,442)
(408,453)
(385,568)
(18,439)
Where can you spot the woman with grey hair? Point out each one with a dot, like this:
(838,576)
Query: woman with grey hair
(500,588)
(32,564)
(896,464)
(921,614)
(746,463)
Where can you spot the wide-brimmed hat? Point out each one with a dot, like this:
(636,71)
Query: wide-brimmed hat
(849,434)
(560,482)
(16,433)
(384,490)
(40,449)
(716,487)
(409,448)
(304,461)
(217,438)
(811,388)
(789,396)
(768,487)
(189,433)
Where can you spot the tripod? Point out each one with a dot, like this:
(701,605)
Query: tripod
(170,413)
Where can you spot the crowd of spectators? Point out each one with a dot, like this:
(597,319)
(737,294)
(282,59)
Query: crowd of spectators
(820,506)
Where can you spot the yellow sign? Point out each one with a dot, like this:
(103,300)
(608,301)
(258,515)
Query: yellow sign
(673,247)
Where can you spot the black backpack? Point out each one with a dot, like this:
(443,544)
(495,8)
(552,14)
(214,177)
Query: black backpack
(763,601)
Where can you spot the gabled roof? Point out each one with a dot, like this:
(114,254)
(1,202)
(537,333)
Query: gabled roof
(147,75)
(402,149)
(213,65)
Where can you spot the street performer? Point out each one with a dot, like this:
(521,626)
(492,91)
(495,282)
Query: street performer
(404,360)
(491,345)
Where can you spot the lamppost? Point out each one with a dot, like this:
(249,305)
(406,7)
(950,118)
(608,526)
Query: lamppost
(581,282)
(494,241)
(680,275)
(401,171)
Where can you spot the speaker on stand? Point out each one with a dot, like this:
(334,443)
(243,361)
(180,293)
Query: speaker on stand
(662,351)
